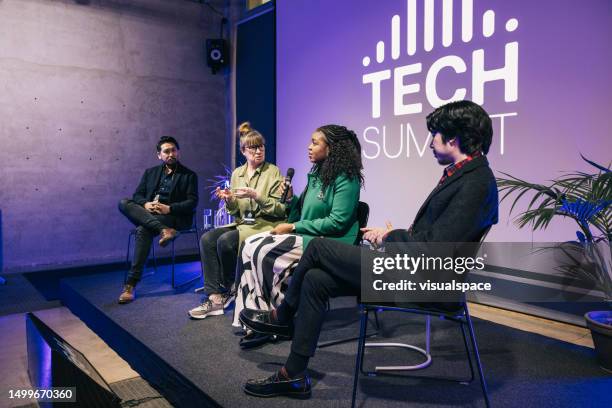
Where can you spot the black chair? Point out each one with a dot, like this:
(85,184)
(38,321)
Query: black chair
(191,230)
(457,312)
(363,214)
(460,316)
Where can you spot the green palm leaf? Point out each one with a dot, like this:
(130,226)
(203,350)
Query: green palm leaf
(584,197)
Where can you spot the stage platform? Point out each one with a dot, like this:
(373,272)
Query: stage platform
(199,362)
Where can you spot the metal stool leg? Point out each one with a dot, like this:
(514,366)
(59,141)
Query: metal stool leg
(366,312)
(363,324)
(483,383)
(173,286)
(376,319)
(469,356)
(197,240)
(154,257)
(145,273)
(424,352)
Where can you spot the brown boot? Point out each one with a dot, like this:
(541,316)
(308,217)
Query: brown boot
(167,235)
(128,294)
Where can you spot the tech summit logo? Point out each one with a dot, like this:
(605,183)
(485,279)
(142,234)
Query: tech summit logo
(376,137)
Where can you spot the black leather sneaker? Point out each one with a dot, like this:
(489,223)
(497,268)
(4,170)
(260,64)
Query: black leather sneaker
(276,386)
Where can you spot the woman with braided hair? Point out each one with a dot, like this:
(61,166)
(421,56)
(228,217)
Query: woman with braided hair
(326,208)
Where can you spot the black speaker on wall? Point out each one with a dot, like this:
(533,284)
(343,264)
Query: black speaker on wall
(216,54)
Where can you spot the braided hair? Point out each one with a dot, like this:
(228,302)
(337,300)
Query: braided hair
(344,156)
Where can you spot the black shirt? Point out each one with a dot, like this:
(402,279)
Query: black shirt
(164,187)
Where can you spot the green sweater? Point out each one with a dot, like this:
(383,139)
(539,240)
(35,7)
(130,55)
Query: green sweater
(332,215)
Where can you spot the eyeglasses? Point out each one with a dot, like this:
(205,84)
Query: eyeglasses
(253,149)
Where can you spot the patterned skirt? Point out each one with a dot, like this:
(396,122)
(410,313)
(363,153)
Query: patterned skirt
(267,263)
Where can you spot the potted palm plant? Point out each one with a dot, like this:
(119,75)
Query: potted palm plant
(585,198)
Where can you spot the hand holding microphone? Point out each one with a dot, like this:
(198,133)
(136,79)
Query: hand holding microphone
(286,188)
(282,189)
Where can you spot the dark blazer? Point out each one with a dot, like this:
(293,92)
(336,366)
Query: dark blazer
(458,210)
(183,193)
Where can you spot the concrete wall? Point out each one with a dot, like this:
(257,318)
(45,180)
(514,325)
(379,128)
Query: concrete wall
(85,92)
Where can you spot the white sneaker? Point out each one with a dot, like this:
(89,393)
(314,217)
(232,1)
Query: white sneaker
(208,308)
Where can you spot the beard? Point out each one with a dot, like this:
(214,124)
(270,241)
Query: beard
(443,160)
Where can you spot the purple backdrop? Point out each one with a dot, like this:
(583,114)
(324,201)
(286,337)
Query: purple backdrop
(554,96)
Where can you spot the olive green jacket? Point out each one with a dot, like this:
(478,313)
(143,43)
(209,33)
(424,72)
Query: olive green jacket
(268,210)
(331,215)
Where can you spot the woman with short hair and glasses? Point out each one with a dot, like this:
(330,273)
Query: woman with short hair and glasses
(254,200)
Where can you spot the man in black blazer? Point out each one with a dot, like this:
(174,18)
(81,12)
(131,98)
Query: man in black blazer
(163,202)
(462,206)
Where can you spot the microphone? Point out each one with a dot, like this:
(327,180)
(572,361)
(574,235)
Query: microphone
(288,178)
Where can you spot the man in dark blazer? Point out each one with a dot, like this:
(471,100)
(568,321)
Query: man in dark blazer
(462,206)
(163,202)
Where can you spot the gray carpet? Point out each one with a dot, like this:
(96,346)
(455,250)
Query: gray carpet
(522,369)
(18,295)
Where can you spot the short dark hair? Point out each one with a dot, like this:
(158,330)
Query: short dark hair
(465,120)
(167,139)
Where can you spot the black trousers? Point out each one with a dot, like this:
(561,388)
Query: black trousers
(147,227)
(327,269)
(219,251)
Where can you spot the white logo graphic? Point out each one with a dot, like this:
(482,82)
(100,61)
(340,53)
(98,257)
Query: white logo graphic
(403,87)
